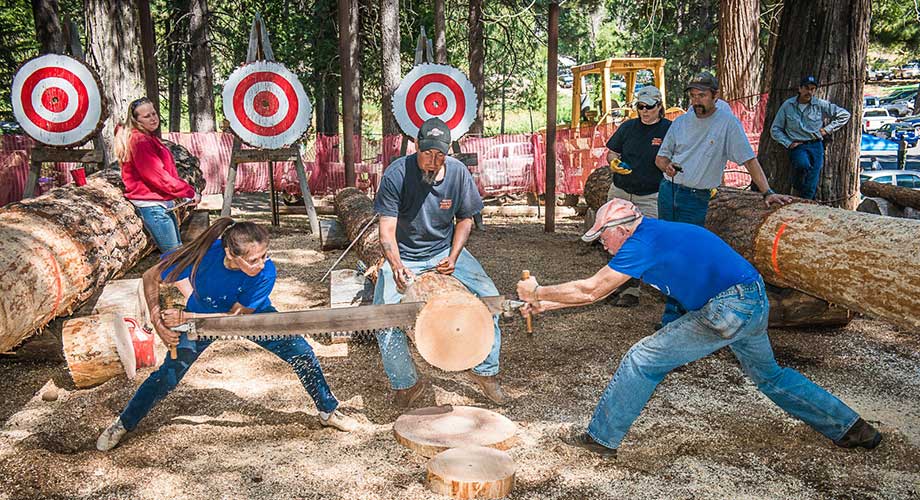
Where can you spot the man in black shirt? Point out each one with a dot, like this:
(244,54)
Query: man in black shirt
(633,148)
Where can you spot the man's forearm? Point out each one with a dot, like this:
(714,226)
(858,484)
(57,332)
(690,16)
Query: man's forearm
(757,174)
(570,294)
(390,252)
(662,162)
(461,235)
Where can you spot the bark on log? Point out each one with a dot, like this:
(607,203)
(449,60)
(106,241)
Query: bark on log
(895,194)
(840,256)
(471,472)
(355,210)
(429,431)
(597,186)
(98,348)
(793,309)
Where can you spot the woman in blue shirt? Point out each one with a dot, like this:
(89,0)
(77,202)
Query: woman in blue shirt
(225,271)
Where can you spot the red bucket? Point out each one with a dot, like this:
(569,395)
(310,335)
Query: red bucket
(143,344)
(79,176)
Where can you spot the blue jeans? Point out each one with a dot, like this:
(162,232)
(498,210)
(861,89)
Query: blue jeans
(807,161)
(678,203)
(162,226)
(394,345)
(736,318)
(295,351)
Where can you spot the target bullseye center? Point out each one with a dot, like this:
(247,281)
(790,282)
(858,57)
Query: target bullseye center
(265,103)
(54,99)
(435,104)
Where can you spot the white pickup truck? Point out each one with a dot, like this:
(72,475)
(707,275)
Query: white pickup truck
(873,118)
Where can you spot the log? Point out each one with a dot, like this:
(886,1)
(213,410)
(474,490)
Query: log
(454,330)
(880,206)
(59,249)
(354,210)
(793,309)
(597,185)
(471,472)
(429,431)
(98,348)
(866,263)
(900,195)
(334,237)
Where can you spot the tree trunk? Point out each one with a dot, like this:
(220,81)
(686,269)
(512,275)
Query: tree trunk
(148,53)
(115,53)
(356,65)
(48,27)
(389,51)
(471,472)
(836,255)
(899,195)
(739,48)
(477,60)
(347,40)
(429,431)
(776,7)
(440,36)
(828,39)
(175,59)
(200,76)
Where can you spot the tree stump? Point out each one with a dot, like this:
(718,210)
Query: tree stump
(863,262)
(429,431)
(471,472)
(454,331)
(98,348)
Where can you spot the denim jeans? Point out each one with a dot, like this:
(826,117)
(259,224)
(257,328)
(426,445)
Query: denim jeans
(678,203)
(807,161)
(295,351)
(736,318)
(162,226)
(394,345)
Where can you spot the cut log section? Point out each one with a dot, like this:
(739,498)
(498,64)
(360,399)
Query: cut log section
(429,431)
(866,263)
(98,348)
(471,472)
(454,331)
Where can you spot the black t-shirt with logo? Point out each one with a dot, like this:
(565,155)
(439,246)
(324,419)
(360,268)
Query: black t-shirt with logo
(637,144)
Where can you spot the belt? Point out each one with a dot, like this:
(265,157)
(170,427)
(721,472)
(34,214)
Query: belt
(681,187)
(812,141)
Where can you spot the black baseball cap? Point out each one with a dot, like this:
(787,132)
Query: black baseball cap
(703,81)
(434,134)
(808,80)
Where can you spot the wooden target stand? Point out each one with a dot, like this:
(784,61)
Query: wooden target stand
(425,54)
(43,153)
(260,49)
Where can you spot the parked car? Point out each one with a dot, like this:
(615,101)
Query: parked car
(10,128)
(873,118)
(909,70)
(898,130)
(565,78)
(870,101)
(506,168)
(901,178)
(899,103)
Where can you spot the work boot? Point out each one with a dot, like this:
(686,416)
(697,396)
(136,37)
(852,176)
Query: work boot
(860,434)
(405,397)
(111,436)
(490,387)
(584,441)
(625,300)
(338,420)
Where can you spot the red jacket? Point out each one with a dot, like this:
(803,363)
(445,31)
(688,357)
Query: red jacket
(151,172)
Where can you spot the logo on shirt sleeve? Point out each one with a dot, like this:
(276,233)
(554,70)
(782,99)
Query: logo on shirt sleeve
(446,204)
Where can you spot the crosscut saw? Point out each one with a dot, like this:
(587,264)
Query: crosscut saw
(360,320)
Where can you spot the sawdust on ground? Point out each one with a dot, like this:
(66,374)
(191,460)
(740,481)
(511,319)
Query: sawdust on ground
(241,426)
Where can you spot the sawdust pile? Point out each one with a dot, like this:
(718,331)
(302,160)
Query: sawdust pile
(241,426)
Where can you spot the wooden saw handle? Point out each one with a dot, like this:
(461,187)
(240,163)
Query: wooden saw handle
(525,275)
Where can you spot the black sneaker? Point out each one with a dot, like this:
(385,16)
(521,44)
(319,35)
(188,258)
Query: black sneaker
(585,441)
(861,434)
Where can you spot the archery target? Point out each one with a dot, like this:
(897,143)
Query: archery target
(435,91)
(56,100)
(266,105)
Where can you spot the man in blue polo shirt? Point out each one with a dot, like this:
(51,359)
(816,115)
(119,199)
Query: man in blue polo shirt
(419,197)
(727,306)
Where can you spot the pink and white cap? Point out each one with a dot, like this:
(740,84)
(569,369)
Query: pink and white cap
(610,214)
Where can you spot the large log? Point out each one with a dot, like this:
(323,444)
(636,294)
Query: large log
(60,248)
(866,263)
(355,210)
(895,194)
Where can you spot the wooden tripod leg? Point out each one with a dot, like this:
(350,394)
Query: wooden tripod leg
(231,180)
(273,196)
(307,197)
(34,170)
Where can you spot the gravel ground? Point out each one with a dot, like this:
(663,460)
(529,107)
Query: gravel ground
(241,426)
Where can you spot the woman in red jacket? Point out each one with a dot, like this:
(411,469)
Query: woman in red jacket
(152,183)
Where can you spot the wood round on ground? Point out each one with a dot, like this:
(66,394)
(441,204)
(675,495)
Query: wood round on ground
(92,345)
(471,472)
(429,431)
(454,331)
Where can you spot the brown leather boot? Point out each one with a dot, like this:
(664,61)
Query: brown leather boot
(490,387)
(861,434)
(405,397)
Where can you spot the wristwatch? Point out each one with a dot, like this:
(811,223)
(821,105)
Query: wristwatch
(768,193)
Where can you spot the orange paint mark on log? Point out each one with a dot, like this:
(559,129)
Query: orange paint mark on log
(773,257)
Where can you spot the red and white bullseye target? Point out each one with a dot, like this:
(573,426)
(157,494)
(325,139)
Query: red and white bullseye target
(56,100)
(266,105)
(435,91)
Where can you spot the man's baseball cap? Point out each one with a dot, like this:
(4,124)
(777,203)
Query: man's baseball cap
(649,95)
(434,134)
(808,80)
(703,81)
(610,214)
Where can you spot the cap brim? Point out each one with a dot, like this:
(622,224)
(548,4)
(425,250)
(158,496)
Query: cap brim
(699,86)
(647,100)
(426,144)
(591,236)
